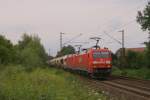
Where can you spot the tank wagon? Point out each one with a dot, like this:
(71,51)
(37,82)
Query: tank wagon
(93,62)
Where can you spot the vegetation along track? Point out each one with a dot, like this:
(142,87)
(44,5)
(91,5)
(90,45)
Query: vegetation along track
(121,88)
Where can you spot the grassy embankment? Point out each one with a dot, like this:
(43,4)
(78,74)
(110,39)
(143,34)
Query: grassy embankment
(142,73)
(42,84)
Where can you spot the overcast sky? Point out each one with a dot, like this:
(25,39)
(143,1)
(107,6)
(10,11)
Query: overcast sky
(48,18)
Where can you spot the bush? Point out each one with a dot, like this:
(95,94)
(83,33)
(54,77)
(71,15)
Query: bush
(147,54)
(42,84)
(141,73)
(28,52)
(132,60)
(32,53)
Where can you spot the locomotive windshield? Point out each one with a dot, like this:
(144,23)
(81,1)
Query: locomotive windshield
(101,55)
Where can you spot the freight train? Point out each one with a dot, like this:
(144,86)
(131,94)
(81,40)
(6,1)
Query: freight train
(95,62)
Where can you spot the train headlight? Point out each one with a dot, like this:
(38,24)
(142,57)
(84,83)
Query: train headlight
(108,66)
(107,62)
(95,62)
(94,66)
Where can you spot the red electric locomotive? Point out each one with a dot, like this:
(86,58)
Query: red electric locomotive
(96,62)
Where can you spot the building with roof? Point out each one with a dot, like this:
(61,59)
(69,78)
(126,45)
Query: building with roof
(139,49)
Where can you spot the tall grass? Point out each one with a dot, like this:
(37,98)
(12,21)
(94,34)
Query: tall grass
(42,84)
(141,73)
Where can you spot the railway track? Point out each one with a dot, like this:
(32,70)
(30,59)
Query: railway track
(121,88)
(140,84)
(131,79)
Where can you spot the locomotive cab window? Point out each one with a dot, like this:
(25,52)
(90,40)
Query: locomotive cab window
(101,54)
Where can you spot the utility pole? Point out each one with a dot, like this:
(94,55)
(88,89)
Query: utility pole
(61,40)
(49,51)
(123,48)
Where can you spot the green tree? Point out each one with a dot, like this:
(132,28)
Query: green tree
(6,51)
(114,59)
(135,59)
(66,50)
(143,18)
(31,52)
(26,39)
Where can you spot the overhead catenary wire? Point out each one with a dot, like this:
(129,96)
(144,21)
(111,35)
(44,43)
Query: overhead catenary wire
(72,39)
(126,24)
(112,38)
(114,30)
(130,10)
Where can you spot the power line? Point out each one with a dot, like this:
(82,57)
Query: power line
(118,29)
(126,24)
(130,10)
(73,39)
(112,38)
(137,7)
(80,42)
